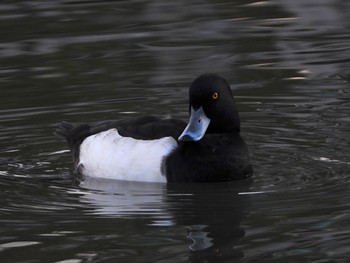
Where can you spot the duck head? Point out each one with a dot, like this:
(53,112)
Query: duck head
(212,108)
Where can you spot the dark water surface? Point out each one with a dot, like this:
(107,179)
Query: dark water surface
(289,66)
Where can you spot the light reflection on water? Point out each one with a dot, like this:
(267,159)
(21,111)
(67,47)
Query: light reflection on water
(87,61)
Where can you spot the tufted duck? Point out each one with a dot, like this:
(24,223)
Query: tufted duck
(208,149)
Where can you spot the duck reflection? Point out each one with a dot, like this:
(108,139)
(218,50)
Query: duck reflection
(212,213)
(122,198)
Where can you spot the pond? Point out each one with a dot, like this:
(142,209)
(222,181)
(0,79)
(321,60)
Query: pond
(288,63)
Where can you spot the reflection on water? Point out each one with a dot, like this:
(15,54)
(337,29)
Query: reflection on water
(203,209)
(91,60)
(118,198)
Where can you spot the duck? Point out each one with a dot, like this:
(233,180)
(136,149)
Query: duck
(207,148)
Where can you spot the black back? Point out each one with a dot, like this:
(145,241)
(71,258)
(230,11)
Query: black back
(145,128)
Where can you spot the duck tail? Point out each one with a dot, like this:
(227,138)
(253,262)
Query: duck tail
(63,130)
(74,134)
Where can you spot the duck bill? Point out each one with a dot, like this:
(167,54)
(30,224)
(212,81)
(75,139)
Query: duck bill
(196,126)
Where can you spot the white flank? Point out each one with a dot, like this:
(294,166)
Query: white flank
(110,155)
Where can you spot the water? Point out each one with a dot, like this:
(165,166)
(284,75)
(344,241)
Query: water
(288,64)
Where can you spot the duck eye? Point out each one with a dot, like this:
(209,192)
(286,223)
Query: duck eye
(215,96)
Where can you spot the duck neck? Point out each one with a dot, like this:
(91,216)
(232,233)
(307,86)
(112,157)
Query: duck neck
(225,123)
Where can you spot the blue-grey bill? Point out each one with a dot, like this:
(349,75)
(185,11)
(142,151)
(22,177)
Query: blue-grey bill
(196,127)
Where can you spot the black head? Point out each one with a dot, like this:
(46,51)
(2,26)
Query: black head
(214,94)
(212,108)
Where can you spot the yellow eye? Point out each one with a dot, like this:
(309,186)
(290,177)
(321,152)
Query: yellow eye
(215,96)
